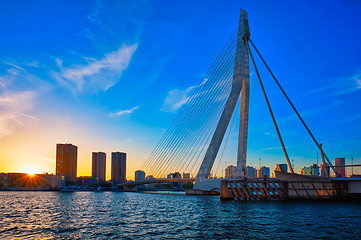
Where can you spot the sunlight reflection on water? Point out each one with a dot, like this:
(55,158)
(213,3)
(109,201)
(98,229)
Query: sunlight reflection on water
(102,215)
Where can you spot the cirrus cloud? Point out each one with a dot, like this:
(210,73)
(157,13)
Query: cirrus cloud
(122,112)
(96,74)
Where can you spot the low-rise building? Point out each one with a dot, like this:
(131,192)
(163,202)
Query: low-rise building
(87,181)
(3,181)
(313,170)
(186,175)
(175,175)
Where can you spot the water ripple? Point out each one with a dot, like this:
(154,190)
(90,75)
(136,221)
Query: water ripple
(114,215)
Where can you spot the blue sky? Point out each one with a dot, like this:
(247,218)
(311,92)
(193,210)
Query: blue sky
(108,76)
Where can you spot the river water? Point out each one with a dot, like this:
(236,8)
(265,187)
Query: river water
(124,215)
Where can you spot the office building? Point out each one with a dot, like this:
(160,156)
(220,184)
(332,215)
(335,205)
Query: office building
(99,165)
(264,171)
(250,172)
(66,162)
(139,175)
(119,166)
(231,171)
(340,166)
(281,167)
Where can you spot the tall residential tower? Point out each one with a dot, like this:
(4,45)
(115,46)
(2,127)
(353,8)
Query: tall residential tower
(98,165)
(66,161)
(118,167)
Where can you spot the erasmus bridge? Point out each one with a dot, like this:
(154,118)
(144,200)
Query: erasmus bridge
(192,142)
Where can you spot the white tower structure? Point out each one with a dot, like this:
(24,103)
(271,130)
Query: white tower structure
(240,84)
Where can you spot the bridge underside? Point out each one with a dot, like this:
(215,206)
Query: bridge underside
(131,186)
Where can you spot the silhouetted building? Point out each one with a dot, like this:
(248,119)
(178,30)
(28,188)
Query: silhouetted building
(119,161)
(186,175)
(3,181)
(340,166)
(99,165)
(175,175)
(66,162)
(263,171)
(139,175)
(150,177)
(231,171)
(250,172)
(312,170)
(25,181)
(87,181)
(281,167)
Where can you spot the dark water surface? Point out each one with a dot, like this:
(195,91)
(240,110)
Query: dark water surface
(114,215)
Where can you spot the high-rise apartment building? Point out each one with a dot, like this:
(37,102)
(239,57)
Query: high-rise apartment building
(250,172)
(139,175)
(119,164)
(98,165)
(231,171)
(66,161)
(340,166)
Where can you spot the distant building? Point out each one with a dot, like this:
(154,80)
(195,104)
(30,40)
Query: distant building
(263,171)
(99,165)
(119,167)
(3,181)
(340,166)
(24,181)
(281,167)
(231,171)
(186,175)
(174,175)
(66,162)
(19,181)
(139,175)
(313,170)
(150,177)
(58,182)
(325,171)
(87,181)
(250,172)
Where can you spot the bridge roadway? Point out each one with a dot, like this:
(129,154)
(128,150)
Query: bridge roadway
(132,184)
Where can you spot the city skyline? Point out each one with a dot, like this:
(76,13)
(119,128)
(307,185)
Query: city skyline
(94,86)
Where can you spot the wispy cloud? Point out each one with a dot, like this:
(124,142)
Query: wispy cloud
(96,74)
(338,87)
(122,112)
(176,98)
(13,110)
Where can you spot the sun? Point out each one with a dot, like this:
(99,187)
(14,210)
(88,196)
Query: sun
(30,171)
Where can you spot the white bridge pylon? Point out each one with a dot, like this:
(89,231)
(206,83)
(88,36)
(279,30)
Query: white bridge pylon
(240,84)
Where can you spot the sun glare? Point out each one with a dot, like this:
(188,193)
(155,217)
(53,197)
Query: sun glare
(30,171)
